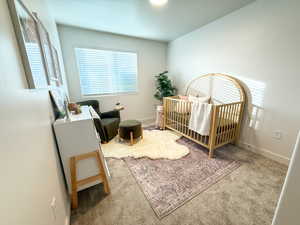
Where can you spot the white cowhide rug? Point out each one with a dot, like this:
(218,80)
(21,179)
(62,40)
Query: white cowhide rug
(156,144)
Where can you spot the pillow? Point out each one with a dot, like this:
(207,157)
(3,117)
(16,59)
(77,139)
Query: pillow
(183,97)
(202,99)
(180,108)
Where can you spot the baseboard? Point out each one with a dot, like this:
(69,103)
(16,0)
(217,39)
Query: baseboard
(68,216)
(147,121)
(67,220)
(265,152)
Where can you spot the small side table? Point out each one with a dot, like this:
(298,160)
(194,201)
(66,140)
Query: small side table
(159,123)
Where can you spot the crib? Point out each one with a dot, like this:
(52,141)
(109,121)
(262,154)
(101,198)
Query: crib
(228,99)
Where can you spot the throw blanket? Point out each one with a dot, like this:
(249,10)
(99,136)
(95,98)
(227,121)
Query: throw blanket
(200,117)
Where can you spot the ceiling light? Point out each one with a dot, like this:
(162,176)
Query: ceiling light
(159,2)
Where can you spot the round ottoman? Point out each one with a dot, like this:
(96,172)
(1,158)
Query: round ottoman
(130,130)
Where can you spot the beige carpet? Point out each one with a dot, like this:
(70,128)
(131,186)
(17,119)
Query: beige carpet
(247,196)
(155,145)
(169,184)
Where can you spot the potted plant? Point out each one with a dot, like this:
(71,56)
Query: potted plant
(164,88)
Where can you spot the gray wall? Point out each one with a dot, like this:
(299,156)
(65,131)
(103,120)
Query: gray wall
(151,61)
(259,44)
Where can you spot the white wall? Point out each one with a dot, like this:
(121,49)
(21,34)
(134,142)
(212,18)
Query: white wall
(259,44)
(287,211)
(151,61)
(29,168)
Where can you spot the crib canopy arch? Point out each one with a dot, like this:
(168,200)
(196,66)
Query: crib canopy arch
(222,88)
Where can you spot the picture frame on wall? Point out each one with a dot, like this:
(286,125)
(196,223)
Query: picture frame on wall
(47,53)
(57,66)
(27,34)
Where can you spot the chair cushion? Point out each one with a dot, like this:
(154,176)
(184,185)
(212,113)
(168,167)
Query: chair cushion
(111,126)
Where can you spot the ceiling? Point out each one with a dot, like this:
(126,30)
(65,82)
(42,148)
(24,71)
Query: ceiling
(139,18)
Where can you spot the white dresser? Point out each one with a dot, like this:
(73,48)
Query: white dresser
(78,136)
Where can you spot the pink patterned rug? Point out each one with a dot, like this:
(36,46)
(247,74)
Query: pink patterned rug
(168,184)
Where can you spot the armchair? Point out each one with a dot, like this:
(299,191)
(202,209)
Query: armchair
(108,124)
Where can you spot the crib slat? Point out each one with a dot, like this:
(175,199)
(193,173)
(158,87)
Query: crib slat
(217,125)
(177,115)
(211,140)
(186,117)
(223,124)
(234,120)
(177,106)
(228,123)
(169,111)
(238,129)
(173,114)
(165,110)
(231,126)
(235,113)
(231,121)
(182,116)
(238,120)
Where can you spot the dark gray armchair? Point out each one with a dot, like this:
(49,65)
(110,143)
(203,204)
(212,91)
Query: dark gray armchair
(108,124)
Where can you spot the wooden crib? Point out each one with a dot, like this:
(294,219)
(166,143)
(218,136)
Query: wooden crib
(228,99)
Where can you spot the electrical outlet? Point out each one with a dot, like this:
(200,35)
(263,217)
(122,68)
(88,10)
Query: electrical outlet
(53,207)
(277,134)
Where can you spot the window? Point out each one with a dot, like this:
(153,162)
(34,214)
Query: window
(106,72)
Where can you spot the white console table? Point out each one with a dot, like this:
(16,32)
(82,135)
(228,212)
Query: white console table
(77,137)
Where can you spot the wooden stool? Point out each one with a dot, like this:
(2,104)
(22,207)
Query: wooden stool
(101,176)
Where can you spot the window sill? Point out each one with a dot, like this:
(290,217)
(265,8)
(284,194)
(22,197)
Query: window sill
(110,95)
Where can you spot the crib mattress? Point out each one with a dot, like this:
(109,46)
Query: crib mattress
(184,119)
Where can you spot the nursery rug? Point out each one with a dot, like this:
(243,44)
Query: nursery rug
(156,144)
(168,184)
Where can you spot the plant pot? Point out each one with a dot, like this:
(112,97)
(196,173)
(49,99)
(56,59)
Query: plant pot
(159,107)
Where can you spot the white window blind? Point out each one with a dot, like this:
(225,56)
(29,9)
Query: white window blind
(106,72)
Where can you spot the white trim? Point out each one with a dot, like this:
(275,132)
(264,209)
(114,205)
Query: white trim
(68,216)
(67,220)
(147,121)
(265,152)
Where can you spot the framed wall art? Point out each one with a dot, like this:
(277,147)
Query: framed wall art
(57,67)
(26,30)
(47,53)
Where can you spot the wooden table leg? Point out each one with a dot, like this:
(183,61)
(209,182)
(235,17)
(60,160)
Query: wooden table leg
(102,171)
(73,171)
(131,138)
(142,134)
